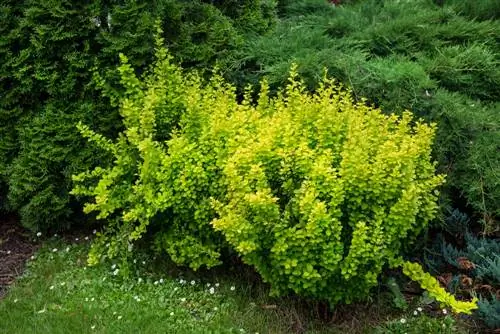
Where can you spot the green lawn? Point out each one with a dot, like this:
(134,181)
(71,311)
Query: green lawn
(58,293)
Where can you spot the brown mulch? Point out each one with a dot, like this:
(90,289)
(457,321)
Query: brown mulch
(16,247)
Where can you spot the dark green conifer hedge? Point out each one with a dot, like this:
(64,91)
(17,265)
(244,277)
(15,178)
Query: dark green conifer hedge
(49,50)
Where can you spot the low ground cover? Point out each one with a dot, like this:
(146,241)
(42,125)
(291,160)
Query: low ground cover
(58,293)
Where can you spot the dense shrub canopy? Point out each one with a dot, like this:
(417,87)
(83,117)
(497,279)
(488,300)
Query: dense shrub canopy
(317,192)
(441,62)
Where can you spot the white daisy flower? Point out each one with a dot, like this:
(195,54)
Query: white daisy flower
(39,234)
(233,288)
(212,291)
(403,320)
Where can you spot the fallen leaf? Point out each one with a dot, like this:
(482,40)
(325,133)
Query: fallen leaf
(466,264)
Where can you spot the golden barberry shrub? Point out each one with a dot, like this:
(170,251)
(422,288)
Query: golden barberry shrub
(316,192)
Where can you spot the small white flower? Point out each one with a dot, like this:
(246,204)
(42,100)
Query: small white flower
(114,313)
(116,271)
(39,234)
(135,261)
(193,282)
(92,327)
(51,287)
(445,311)
(63,283)
(86,238)
(86,299)
(76,239)
(155,283)
(54,250)
(15,300)
(419,309)
(32,257)
(415,312)
(183,300)
(55,235)
(171,314)
(208,284)
(94,232)
(119,317)
(217,285)
(67,249)
(233,288)
(181,281)
(403,320)
(143,262)
(161,281)
(139,280)
(113,267)
(212,291)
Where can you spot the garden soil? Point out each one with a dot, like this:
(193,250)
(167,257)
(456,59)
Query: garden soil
(16,247)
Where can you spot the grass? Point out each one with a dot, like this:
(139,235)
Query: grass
(58,293)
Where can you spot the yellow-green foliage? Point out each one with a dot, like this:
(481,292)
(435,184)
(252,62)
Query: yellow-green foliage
(431,285)
(318,193)
(322,192)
